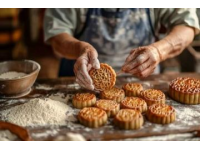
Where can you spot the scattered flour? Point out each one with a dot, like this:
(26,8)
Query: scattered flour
(61,97)
(12,75)
(6,135)
(73,86)
(164,137)
(187,115)
(43,87)
(71,137)
(37,112)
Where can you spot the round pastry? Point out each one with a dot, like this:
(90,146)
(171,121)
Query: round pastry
(109,106)
(113,94)
(185,90)
(134,103)
(103,78)
(92,117)
(128,119)
(161,113)
(152,96)
(81,100)
(132,89)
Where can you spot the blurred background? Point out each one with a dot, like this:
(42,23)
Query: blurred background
(21,37)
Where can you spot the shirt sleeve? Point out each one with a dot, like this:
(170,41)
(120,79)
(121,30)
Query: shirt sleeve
(57,21)
(170,17)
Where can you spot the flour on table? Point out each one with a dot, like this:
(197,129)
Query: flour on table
(70,137)
(6,135)
(12,75)
(73,86)
(187,115)
(61,97)
(37,112)
(43,87)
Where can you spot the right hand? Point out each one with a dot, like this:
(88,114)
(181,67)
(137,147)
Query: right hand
(88,59)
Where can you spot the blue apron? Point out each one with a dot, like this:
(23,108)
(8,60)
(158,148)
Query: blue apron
(113,35)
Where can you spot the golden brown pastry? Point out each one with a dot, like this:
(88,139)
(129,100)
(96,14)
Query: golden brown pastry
(103,78)
(134,103)
(81,100)
(161,114)
(109,106)
(132,89)
(92,117)
(113,94)
(185,90)
(128,119)
(152,96)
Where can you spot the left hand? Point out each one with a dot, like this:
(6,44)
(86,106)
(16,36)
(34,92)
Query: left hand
(142,61)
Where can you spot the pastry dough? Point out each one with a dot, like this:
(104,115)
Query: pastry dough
(92,117)
(81,100)
(134,103)
(185,90)
(113,94)
(128,119)
(132,89)
(152,96)
(161,113)
(109,106)
(103,78)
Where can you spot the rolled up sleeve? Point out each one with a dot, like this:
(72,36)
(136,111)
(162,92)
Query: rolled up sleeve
(170,17)
(57,21)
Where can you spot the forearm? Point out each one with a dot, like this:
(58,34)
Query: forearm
(175,42)
(67,46)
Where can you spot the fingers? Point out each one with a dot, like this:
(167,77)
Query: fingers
(147,72)
(139,60)
(134,53)
(140,68)
(93,57)
(81,72)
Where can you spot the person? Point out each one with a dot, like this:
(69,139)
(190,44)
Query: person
(126,39)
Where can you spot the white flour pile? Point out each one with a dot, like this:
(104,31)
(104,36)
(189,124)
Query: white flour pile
(6,135)
(12,75)
(37,112)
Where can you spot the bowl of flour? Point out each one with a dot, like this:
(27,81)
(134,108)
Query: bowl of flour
(17,77)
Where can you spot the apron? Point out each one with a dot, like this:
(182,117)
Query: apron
(113,35)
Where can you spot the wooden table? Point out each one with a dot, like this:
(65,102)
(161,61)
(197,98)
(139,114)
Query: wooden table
(186,126)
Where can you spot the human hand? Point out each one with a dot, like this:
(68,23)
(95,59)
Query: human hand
(142,61)
(88,59)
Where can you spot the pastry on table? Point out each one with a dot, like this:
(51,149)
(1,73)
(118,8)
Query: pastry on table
(81,100)
(185,90)
(134,103)
(92,117)
(132,89)
(152,96)
(161,114)
(129,119)
(103,78)
(113,94)
(109,106)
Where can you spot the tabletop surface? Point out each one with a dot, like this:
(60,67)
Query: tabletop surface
(184,128)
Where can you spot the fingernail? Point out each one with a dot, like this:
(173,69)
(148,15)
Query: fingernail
(97,66)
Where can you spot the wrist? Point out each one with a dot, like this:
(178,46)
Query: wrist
(158,52)
(85,47)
